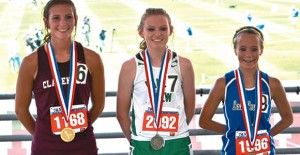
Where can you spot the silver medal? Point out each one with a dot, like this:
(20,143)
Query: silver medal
(157,142)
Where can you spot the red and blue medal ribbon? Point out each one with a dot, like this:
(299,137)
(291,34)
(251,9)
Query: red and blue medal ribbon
(251,130)
(156,95)
(65,101)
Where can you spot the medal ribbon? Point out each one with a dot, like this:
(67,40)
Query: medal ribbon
(156,95)
(65,102)
(251,132)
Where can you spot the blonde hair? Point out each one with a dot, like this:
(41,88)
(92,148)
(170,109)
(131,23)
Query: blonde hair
(150,12)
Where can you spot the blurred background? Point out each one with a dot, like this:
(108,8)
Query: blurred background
(203,33)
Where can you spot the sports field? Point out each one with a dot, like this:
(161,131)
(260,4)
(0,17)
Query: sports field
(213,23)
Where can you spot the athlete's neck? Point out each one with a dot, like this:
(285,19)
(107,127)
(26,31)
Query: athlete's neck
(156,56)
(249,77)
(61,45)
(61,50)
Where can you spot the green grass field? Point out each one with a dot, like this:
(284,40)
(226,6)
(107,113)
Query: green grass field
(213,27)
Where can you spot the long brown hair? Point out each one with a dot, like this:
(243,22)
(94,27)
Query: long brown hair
(46,13)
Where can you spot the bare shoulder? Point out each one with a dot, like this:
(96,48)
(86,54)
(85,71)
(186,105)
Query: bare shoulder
(218,90)
(220,83)
(219,87)
(129,66)
(184,62)
(127,75)
(91,56)
(30,64)
(186,66)
(274,83)
(31,59)
(93,60)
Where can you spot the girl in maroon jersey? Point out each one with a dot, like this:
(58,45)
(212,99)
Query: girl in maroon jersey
(63,75)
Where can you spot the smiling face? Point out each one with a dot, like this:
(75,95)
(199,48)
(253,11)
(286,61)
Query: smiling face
(156,31)
(61,21)
(248,49)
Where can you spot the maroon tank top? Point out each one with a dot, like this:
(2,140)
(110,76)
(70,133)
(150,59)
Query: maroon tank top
(44,141)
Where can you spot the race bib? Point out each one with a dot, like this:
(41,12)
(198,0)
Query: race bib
(261,144)
(77,119)
(168,122)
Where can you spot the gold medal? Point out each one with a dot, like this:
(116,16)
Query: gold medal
(67,134)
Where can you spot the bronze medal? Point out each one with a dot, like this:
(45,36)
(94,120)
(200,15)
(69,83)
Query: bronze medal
(251,153)
(157,142)
(67,134)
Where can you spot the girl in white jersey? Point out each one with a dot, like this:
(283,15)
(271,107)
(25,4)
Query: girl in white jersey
(159,86)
